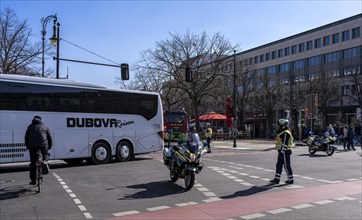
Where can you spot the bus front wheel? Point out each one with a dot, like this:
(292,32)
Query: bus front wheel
(101,153)
(124,151)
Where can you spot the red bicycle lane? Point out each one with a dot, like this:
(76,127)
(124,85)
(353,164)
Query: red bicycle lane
(246,205)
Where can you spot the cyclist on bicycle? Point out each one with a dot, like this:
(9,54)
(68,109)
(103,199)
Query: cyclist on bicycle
(37,137)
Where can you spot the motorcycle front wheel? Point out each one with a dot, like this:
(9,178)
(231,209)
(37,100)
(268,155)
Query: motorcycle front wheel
(330,150)
(189,180)
(311,150)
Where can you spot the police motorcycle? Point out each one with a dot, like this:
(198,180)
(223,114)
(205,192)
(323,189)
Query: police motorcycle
(325,143)
(183,159)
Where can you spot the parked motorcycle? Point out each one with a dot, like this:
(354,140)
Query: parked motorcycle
(184,159)
(321,143)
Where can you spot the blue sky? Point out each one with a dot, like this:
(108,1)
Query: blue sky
(120,30)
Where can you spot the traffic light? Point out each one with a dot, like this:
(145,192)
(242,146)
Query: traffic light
(188,73)
(124,71)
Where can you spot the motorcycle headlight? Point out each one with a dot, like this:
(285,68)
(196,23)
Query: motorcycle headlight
(192,156)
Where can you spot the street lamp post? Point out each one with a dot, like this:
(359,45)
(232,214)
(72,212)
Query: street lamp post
(54,39)
(234,103)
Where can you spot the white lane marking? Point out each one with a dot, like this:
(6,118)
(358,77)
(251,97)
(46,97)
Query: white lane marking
(352,179)
(307,177)
(212,199)
(88,215)
(82,208)
(325,181)
(255,177)
(344,198)
(294,187)
(252,216)
(302,206)
(322,202)
(277,211)
(152,209)
(203,189)
(72,195)
(209,194)
(126,213)
(77,201)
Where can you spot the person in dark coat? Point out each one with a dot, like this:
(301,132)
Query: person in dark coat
(37,137)
(350,137)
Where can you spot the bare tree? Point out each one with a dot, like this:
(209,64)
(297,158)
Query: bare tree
(326,87)
(18,54)
(267,96)
(202,54)
(245,79)
(355,90)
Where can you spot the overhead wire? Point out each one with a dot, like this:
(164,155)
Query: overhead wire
(89,51)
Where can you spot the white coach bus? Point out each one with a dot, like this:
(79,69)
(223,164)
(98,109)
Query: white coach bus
(87,122)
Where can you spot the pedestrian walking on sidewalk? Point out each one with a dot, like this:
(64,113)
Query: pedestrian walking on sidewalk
(208,136)
(283,143)
(350,137)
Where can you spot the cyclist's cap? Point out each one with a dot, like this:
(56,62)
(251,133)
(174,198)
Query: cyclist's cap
(37,117)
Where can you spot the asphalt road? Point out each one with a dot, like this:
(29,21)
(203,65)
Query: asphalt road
(233,185)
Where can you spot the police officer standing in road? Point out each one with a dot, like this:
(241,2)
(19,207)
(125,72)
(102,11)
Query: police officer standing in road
(208,135)
(37,137)
(283,143)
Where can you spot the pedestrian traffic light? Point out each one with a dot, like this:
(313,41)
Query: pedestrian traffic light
(124,71)
(188,73)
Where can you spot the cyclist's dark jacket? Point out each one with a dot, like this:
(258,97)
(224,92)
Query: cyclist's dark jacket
(38,135)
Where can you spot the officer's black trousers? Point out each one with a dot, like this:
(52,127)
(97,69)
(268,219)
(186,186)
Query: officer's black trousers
(284,160)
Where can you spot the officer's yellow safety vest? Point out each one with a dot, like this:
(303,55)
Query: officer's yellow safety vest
(279,141)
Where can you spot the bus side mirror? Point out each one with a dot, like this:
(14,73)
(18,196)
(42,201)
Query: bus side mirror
(188,73)
(124,71)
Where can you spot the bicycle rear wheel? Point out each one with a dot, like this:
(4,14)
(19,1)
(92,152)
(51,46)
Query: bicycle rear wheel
(39,177)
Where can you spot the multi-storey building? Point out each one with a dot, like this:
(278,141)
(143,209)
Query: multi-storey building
(330,53)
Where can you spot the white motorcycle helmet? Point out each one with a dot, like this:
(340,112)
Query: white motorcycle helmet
(283,123)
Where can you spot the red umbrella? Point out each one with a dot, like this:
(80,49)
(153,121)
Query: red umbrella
(212,116)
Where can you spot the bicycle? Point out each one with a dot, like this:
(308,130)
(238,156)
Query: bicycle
(39,170)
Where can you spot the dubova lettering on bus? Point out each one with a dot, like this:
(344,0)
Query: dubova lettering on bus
(96,122)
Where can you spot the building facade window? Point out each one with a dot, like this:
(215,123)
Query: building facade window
(294,49)
(274,55)
(326,40)
(356,33)
(272,70)
(301,47)
(287,51)
(345,35)
(267,56)
(317,43)
(280,53)
(335,38)
(352,52)
(309,45)
(284,67)
(298,64)
(261,57)
(332,57)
